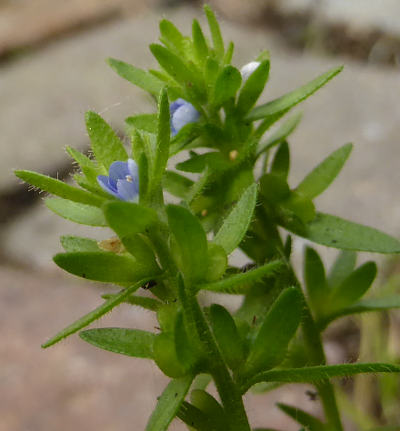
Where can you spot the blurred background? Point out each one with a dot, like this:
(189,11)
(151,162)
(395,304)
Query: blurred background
(52,70)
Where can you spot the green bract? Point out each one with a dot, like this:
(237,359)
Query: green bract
(207,111)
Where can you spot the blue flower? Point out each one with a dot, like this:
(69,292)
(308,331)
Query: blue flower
(182,113)
(122,182)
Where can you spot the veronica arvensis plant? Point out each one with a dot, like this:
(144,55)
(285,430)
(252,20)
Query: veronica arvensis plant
(176,251)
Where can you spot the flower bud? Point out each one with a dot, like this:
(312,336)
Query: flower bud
(248,69)
(182,113)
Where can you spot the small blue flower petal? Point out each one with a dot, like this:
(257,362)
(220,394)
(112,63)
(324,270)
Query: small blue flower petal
(104,183)
(127,190)
(123,181)
(133,169)
(182,113)
(117,171)
(175,105)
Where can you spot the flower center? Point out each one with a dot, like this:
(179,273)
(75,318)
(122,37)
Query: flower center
(129,178)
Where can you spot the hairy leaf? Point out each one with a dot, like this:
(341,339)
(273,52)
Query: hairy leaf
(76,212)
(168,404)
(319,373)
(103,266)
(227,336)
(106,145)
(145,122)
(72,244)
(127,218)
(237,222)
(215,32)
(136,76)
(130,342)
(319,179)
(59,188)
(244,278)
(291,99)
(94,315)
(191,242)
(278,328)
(336,232)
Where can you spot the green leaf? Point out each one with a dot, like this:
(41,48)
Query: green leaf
(229,53)
(136,76)
(102,266)
(354,286)
(59,188)
(319,179)
(226,85)
(363,306)
(217,262)
(274,188)
(211,407)
(199,42)
(166,356)
(319,373)
(191,242)
(253,88)
(88,166)
(163,137)
(186,350)
(195,418)
(237,222)
(198,162)
(176,184)
(315,280)
(291,99)
(336,232)
(126,218)
(227,336)
(303,418)
(94,315)
(342,267)
(211,72)
(172,37)
(140,301)
(76,212)
(281,163)
(106,145)
(145,122)
(168,404)
(280,325)
(172,64)
(243,279)
(72,244)
(281,134)
(138,246)
(215,32)
(143,178)
(130,342)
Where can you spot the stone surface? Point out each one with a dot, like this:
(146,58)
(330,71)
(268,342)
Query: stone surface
(26,23)
(359,15)
(73,385)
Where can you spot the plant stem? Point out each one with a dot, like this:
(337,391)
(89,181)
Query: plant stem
(317,355)
(228,391)
(311,334)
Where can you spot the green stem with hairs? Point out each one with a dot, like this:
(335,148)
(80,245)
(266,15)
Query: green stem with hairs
(229,392)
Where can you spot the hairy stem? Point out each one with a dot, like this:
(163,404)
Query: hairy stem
(228,391)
